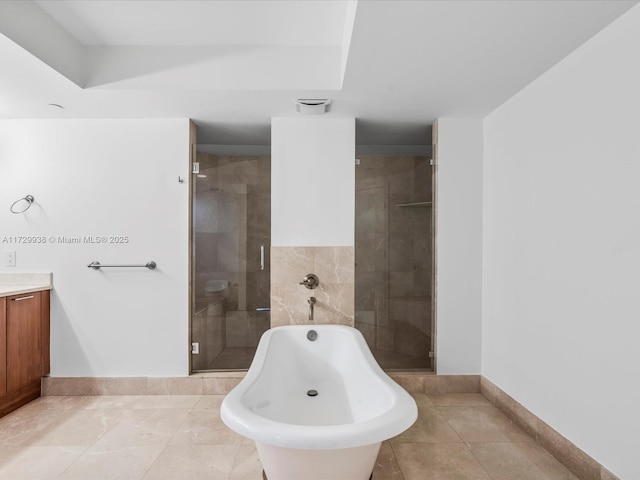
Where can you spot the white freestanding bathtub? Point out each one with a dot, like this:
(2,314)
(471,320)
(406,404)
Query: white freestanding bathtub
(317,409)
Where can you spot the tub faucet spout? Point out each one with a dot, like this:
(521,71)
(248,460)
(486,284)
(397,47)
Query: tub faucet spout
(312,302)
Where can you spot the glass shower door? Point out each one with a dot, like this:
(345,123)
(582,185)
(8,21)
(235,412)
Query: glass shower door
(394,268)
(232,235)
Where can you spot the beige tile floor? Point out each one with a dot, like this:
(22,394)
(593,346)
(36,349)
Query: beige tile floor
(457,437)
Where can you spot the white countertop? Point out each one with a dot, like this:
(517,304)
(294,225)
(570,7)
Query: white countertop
(19,283)
(9,290)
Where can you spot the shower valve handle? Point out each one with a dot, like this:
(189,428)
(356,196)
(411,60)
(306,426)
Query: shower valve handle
(310,281)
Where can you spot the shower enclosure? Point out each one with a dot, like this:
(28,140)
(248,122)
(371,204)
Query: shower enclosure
(230,263)
(394,259)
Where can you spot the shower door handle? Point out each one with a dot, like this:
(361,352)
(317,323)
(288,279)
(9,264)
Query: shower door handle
(261,257)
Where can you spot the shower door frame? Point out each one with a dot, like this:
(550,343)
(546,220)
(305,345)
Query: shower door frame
(431,350)
(234,151)
(434,248)
(193,145)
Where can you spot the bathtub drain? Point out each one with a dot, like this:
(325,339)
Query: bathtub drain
(312,393)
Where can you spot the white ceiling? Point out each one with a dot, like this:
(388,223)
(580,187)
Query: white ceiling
(192,23)
(232,65)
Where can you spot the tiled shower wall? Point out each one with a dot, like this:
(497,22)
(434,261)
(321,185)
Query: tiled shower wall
(334,267)
(394,258)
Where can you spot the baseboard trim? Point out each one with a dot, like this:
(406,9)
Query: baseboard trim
(200,384)
(429,383)
(221,383)
(577,461)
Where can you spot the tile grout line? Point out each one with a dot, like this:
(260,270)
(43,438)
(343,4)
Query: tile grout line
(393,451)
(467,446)
(168,441)
(480,463)
(235,459)
(546,477)
(88,447)
(448,423)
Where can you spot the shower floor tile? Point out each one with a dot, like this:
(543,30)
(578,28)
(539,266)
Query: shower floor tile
(457,436)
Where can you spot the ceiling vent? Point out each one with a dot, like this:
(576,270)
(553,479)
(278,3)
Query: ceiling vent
(312,106)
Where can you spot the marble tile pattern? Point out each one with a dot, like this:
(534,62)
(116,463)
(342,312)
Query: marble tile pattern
(218,383)
(334,266)
(173,437)
(577,461)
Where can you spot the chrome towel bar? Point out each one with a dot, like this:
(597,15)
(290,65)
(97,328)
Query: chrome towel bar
(97,266)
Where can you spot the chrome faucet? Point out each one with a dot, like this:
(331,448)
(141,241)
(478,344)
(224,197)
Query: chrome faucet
(312,302)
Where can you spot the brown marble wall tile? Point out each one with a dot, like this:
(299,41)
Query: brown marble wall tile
(237,330)
(334,266)
(289,304)
(289,265)
(334,304)
(384,338)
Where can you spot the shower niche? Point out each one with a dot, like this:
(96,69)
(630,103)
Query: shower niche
(394,259)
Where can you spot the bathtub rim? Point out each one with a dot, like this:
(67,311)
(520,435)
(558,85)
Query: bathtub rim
(399,416)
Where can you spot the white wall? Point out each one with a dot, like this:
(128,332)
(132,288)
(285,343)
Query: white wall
(459,246)
(561,319)
(312,181)
(103,178)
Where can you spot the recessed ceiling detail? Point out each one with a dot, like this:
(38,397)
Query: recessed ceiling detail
(231,66)
(187,23)
(192,45)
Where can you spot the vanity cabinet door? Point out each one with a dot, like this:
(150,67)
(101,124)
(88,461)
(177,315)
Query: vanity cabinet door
(24,350)
(3,346)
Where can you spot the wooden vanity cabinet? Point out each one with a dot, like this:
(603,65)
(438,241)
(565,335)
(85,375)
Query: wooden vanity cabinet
(3,347)
(24,348)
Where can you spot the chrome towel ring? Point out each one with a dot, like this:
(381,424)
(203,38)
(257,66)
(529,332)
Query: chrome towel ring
(29,199)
